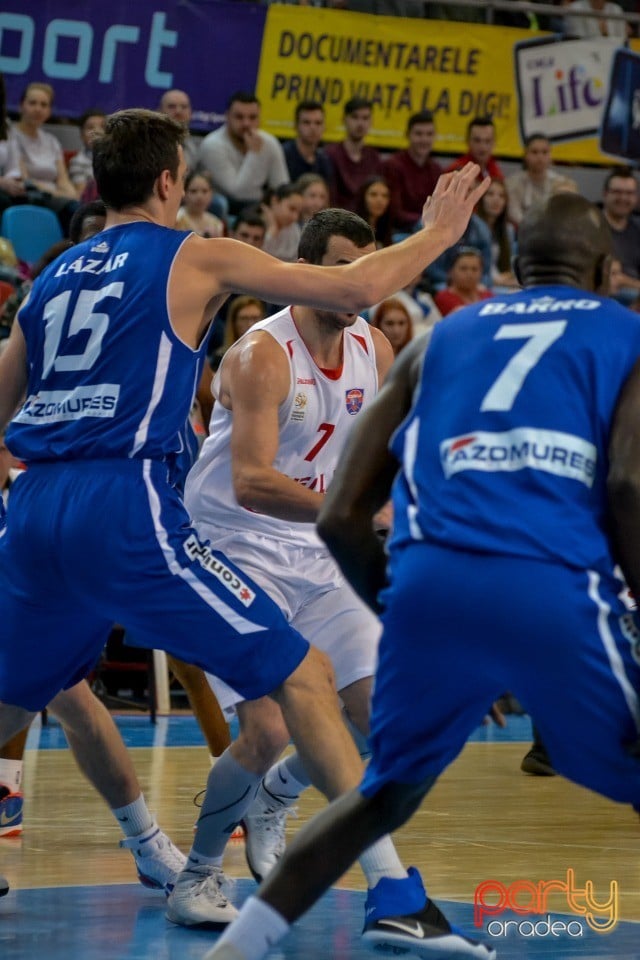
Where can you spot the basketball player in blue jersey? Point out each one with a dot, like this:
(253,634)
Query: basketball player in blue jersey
(106,350)
(513,448)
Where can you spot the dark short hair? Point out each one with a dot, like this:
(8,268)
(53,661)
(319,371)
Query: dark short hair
(242,96)
(306,106)
(251,216)
(130,155)
(533,137)
(485,121)
(94,208)
(357,103)
(332,222)
(96,112)
(424,116)
(281,193)
(622,171)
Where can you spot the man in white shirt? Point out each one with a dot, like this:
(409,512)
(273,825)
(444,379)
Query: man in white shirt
(241,158)
(600,25)
(177,105)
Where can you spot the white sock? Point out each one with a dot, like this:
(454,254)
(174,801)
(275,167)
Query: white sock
(11,774)
(257,928)
(195,857)
(287,779)
(381,860)
(134,818)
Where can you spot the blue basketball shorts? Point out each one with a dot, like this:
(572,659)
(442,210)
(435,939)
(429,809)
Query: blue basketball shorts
(460,629)
(91,543)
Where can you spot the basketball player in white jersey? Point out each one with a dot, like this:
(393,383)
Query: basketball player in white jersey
(287,395)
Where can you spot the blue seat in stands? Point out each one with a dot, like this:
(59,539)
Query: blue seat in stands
(31,230)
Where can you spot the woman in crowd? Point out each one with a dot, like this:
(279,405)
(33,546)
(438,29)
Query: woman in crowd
(194,212)
(464,286)
(41,159)
(314,191)
(393,319)
(281,209)
(373,204)
(493,210)
(12,188)
(536,181)
(92,124)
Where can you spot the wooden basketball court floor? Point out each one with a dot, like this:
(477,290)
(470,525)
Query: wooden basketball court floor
(74,894)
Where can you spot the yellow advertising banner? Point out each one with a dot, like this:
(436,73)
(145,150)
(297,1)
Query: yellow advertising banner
(527,81)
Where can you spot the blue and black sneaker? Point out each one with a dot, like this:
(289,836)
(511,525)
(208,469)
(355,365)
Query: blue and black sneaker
(400,918)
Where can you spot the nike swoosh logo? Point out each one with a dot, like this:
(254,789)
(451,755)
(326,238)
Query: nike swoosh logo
(5,820)
(414,929)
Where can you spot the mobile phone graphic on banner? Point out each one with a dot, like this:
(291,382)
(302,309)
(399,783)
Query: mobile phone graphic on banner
(620,127)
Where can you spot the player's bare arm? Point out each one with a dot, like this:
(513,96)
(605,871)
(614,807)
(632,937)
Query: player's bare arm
(13,374)
(255,380)
(206,269)
(355,495)
(624,480)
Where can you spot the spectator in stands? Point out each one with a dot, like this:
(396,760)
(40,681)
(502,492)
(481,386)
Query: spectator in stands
(478,236)
(242,313)
(493,210)
(92,124)
(194,213)
(41,158)
(281,211)
(619,201)
(242,159)
(600,24)
(353,162)
(314,191)
(304,154)
(250,227)
(12,188)
(373,204)
(88,220)
(536,181)
(481,138)
(177,105)
(394,320)
(418,303)
(412,173)
(465,281)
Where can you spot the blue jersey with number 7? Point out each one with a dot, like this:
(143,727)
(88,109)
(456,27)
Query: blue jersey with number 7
(505,448)
(108,375)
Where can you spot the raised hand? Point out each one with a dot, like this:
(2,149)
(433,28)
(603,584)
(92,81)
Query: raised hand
(453,201)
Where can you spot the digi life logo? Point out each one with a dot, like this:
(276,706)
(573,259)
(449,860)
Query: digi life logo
(562,87)
(531,901)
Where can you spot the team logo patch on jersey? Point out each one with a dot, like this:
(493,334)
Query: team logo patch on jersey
(227,577)
(551,451)
(299,406)
(354,398)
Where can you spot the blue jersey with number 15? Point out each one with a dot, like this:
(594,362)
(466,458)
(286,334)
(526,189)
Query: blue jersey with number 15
(108,375)
(505,449)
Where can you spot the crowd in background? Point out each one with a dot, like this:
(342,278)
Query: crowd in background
(243,182)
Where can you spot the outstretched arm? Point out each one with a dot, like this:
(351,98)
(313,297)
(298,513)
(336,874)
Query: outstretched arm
(362,482)
(206,269)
